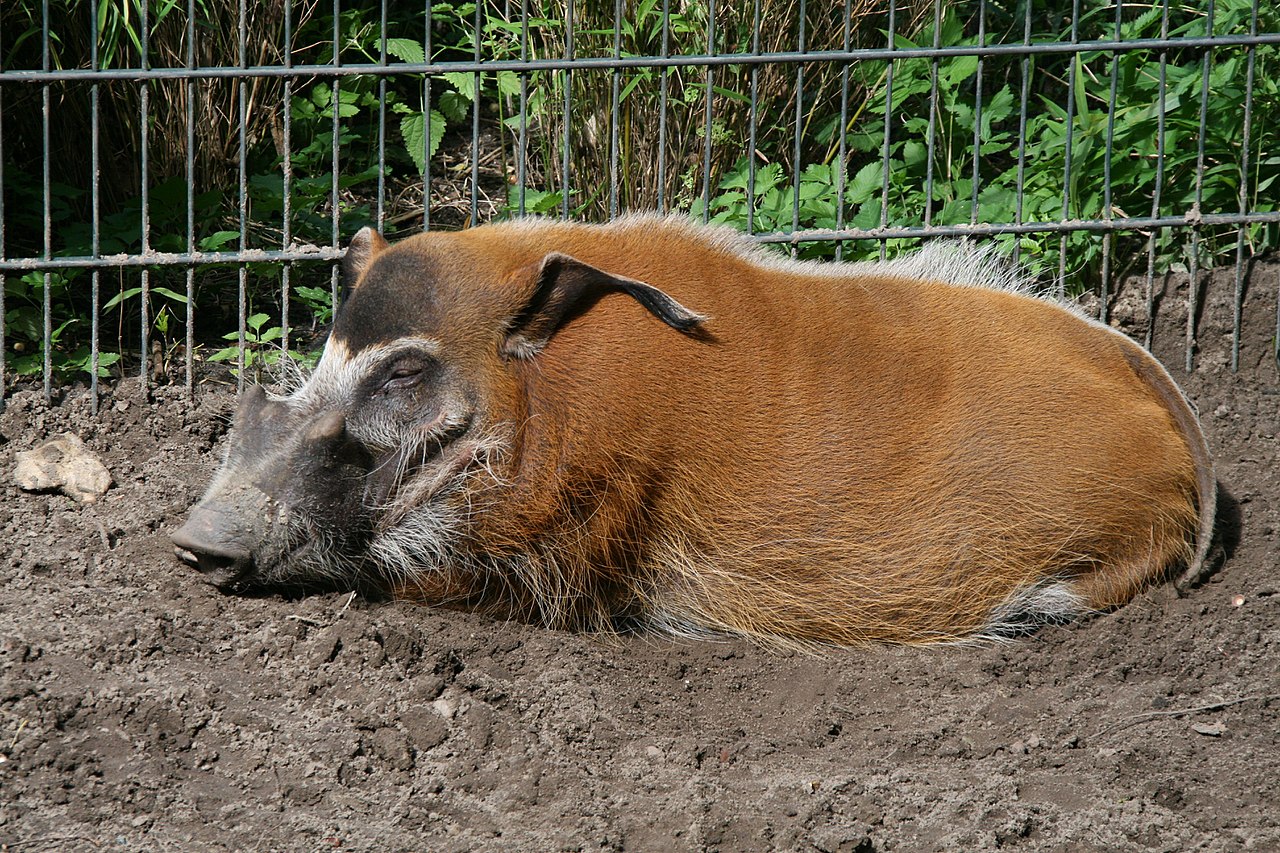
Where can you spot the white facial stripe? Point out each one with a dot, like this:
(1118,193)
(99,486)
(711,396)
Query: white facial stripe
(339,372)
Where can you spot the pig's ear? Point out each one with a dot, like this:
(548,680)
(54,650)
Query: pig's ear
(560,288)
(364,247)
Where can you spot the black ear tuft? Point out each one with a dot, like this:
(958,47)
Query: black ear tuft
(564,287)
(364,246)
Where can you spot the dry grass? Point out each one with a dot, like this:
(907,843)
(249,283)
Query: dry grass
(682,151)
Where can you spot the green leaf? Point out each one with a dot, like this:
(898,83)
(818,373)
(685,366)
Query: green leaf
(767,177)
(412,128)
(959,69)
(406,50)
(121,297)
(106,359)
(818,173)
(535,201)
(997,109)
(453,106)
(57,333)
(215,241)
(227,354)
(27,365)
(175,296)
(1082,104)
(464,82)
(82,359)
(508,83)
(868,180)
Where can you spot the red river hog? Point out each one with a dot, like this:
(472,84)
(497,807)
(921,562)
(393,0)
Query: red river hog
(653,425)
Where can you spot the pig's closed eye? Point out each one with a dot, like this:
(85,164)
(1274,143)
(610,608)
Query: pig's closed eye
(401,377)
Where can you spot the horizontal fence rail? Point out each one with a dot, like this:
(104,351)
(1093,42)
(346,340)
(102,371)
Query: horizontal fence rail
(178,180)
(587,63)
(325,253)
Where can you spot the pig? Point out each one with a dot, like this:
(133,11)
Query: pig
(652,425)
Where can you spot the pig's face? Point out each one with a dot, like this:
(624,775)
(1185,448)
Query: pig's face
(341,480)
(371,472)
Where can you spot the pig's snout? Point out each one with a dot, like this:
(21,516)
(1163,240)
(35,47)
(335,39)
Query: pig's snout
(217,543)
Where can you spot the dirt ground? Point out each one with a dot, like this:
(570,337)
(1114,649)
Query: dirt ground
(141,709)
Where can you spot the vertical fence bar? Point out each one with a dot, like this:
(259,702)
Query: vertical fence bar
(382,117)
(46,194)
(1158,186)
(190,91)
(1020,180)
(522,158)
(95,205)
(931,141)
(1193,283)
(1060,286)
(663,86)
(335,94)
(615,79)
(795,152)
(567,142)
(842,155)
(144,307)
(753,119)
(1105,284)
(286,182)
(4,279)
(475,125)
(888,124)
(1237,304)
(706,120)
(977,114)
(426,123)
(242,271)
(504,104)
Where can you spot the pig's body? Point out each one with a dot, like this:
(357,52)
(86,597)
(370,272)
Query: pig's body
(828,454)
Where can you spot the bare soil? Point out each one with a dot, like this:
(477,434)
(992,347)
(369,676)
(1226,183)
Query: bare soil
(141,709)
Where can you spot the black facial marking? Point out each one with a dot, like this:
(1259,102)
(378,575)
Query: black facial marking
(397,299)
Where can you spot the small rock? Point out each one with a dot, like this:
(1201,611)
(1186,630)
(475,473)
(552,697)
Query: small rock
(63,463)
(653,753)
(1209,729)
(447,705)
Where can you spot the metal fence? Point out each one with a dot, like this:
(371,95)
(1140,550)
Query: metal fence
(839,128)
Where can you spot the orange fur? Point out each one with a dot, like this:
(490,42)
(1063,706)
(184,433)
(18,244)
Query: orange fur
(845,455)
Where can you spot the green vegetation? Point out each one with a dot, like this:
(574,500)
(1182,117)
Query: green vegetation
(419,127)
(1070,107)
